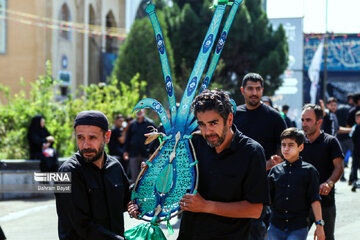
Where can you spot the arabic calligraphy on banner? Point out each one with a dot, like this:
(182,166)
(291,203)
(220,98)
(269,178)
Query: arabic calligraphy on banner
(343,52)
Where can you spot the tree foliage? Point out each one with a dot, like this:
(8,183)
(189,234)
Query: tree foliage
(139,54)
(16,114)
(252,44)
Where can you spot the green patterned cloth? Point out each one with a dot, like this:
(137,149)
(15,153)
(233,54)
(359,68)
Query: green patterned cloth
(145,231)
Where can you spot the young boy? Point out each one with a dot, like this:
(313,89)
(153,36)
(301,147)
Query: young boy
(294,189)
(355,136)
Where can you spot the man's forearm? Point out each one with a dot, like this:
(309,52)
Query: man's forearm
(338,170)
(242,209)
(343,130)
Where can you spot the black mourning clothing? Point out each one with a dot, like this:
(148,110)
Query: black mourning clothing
(342,114)
(351,117)
(263,124)
(356,140)
(293,188)
(330,123)
(236,174)
(37,137)
(94,209)
(135,139)
(115,147)
(321,153)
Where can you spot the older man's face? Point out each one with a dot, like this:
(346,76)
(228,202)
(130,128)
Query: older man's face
(91,141)
(309,123)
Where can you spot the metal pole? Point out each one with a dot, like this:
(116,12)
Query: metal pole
(326,44)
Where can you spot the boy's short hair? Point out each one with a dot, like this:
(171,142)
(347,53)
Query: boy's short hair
(294,134)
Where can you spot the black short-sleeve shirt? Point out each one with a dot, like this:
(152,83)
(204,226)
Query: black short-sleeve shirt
(263,124)
(293,188)
(321,154)
(236,174)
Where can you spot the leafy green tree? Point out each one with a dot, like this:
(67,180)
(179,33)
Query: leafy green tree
(184,41)
(139,54)
(16,114)
(252,45)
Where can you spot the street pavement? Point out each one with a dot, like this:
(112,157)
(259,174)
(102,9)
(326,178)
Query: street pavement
(36,218)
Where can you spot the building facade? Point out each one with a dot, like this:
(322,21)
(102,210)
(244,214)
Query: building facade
(80,37)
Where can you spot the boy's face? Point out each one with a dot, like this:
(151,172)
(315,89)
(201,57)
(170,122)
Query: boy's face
(290,149)
(357,120)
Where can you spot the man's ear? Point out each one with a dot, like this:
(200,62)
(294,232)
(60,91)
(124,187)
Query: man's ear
(242,90)
(301,147)
(107,136)
(230,119)
(319,122)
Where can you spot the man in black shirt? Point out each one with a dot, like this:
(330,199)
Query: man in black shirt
(342,113)
(330,123)
(355,136)
(99,187)
(259,121)
(351,122)
(294,189)
(135,149)
(353,110)
(232,177)
(117,140)
(324,152)
(263,124)
(116,143)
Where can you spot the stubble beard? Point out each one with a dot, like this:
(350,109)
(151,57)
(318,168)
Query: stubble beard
(220,141)
(254,102)
(96,157)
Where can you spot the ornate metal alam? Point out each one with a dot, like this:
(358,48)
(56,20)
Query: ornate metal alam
(172,171)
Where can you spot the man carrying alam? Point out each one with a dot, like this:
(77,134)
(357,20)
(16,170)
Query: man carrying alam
(232,176)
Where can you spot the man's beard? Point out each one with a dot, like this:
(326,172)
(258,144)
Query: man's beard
(96,157)
(220,139)
(253,102)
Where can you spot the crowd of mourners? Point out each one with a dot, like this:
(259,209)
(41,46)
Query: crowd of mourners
(260,176)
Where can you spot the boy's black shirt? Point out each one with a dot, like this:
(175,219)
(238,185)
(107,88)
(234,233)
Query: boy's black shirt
(293,187)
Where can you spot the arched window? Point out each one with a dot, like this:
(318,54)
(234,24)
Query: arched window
(91,15)
(111,43)
(65,16)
